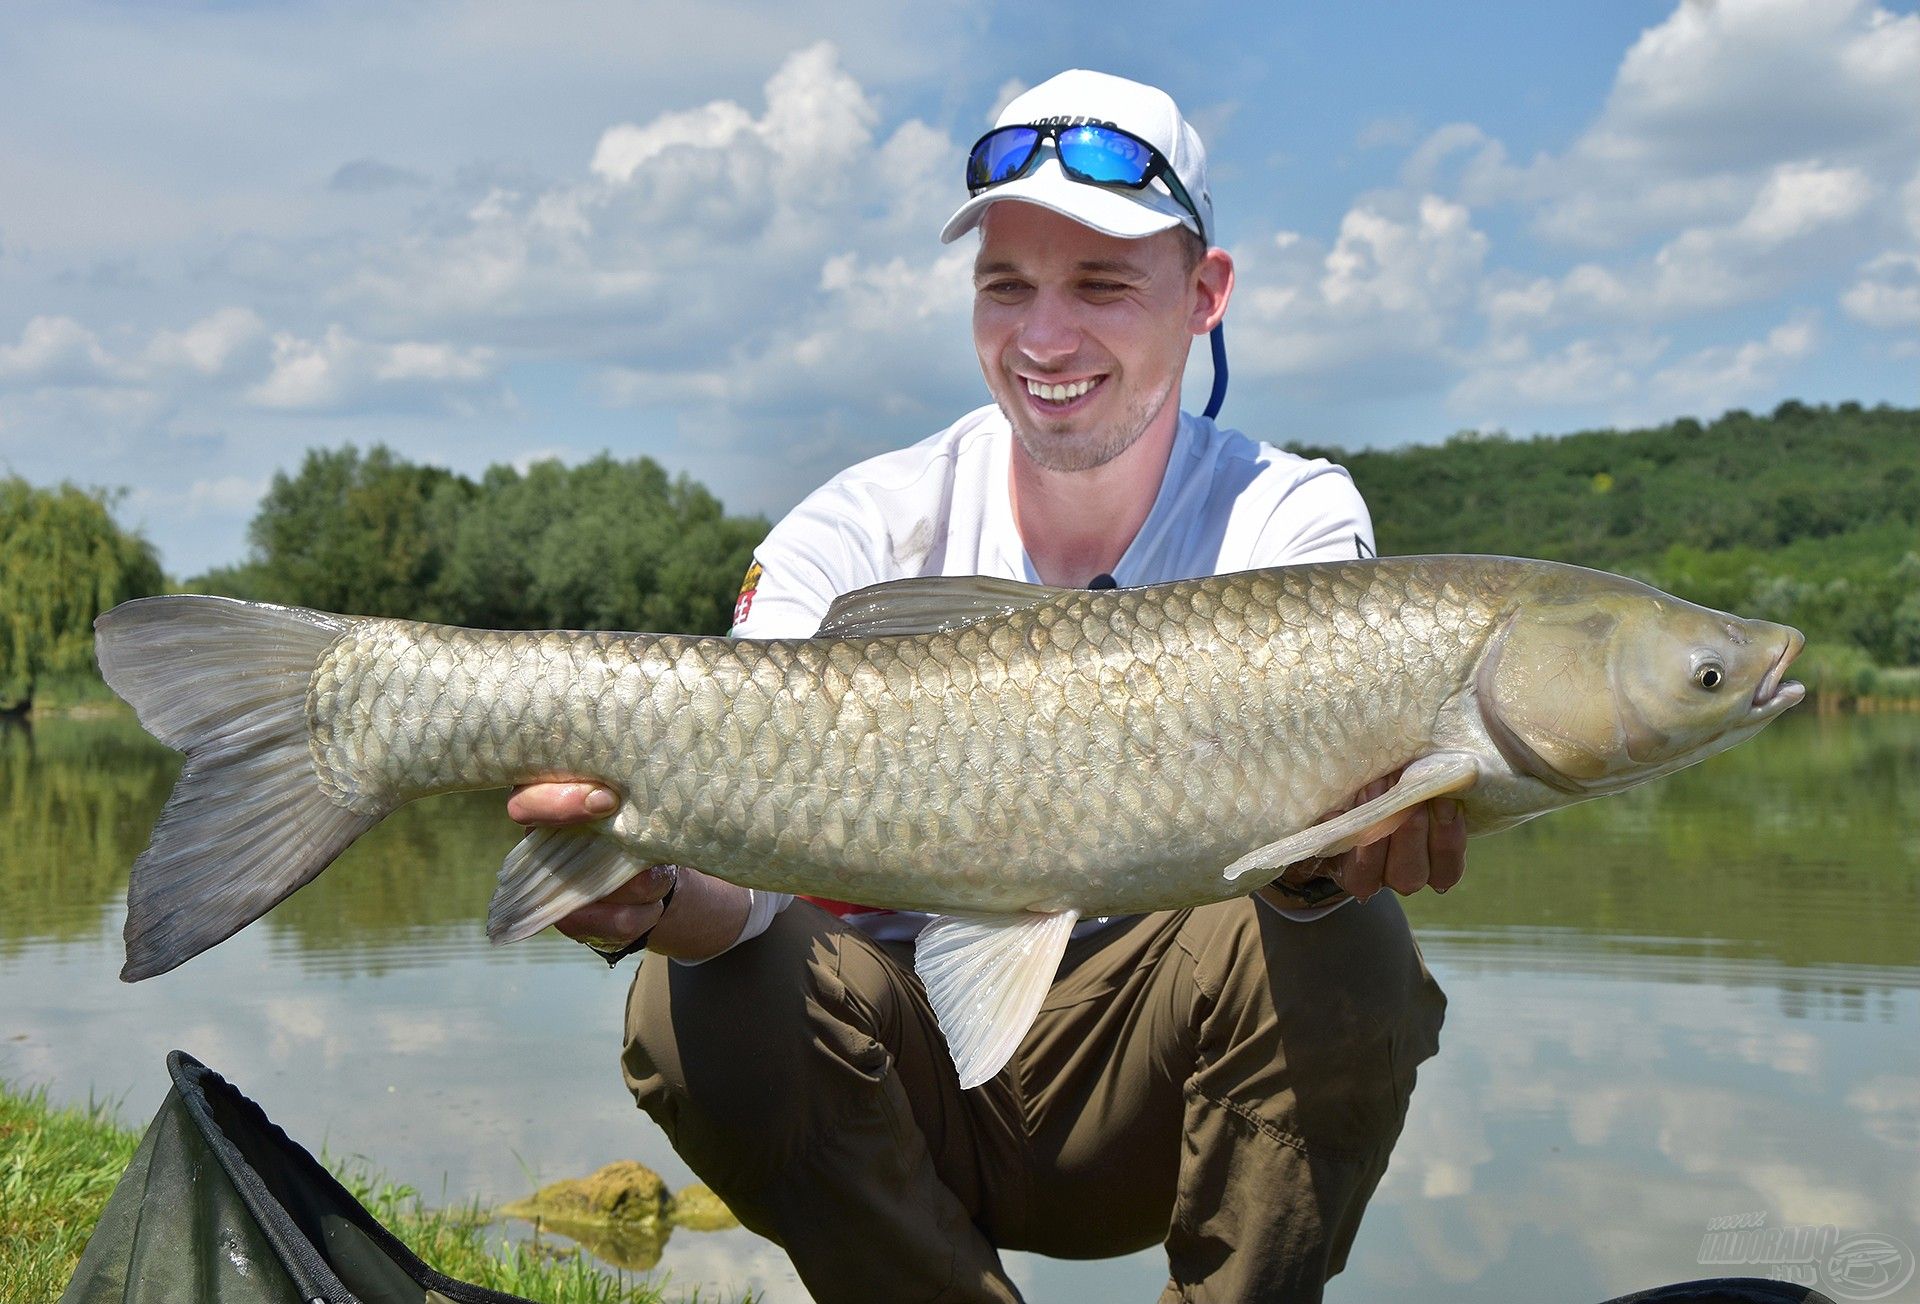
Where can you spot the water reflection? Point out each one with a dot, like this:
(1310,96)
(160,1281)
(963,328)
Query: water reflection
(1697,998)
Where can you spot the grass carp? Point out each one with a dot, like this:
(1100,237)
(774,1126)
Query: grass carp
(1007,756)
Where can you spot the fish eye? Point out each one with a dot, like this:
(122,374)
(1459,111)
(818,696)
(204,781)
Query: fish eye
(1709,675)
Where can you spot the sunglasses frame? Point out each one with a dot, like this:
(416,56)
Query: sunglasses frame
(1157,165)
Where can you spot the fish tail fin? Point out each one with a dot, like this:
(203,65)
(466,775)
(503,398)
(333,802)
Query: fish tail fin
(248,821)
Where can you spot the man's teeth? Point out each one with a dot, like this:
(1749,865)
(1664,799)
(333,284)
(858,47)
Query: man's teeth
(1060,393)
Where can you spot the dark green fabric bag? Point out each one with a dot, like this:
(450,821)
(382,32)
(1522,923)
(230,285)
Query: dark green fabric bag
(219,1205)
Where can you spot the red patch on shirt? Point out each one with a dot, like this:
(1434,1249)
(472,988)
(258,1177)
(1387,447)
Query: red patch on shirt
(748,587)
(845,908)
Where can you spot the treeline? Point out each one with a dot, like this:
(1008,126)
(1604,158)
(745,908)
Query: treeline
(605,544)
(1809,516)
(62,562)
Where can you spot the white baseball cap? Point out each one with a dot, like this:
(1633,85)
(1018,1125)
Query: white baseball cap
(1078,97)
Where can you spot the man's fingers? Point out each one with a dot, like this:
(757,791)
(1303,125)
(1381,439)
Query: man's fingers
(1364,871)
(1407,863)
(610,924)
(560,803)
(1446,844)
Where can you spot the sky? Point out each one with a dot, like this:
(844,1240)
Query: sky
(495,232)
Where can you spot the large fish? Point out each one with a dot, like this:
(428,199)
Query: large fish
(1007,756)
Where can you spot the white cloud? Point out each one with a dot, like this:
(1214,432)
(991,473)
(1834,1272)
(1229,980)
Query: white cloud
(1393,286)
(210,345)
(1723,375)
(338,370)
(1720,94)
(56,350)
(1887,294)
(1587,371)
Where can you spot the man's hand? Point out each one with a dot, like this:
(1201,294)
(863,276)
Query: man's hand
(624,913)
(1428,849)
(707,912)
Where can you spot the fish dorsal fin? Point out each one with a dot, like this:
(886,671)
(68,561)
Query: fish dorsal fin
(549,874)
(985,977)
(1431,776)
(930,604)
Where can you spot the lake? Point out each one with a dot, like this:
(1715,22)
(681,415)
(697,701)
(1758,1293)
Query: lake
(1697,1001)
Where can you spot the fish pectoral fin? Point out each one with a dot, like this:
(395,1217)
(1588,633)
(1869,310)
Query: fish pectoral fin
(1427,778)
(929,604)
(985,976)
(549,874)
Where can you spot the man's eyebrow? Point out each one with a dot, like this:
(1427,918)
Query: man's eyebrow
(1118,266)
(1112,266)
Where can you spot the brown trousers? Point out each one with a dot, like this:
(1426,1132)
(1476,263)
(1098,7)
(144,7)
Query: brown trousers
(1221,1080)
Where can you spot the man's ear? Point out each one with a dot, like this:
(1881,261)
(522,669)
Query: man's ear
(1213,286)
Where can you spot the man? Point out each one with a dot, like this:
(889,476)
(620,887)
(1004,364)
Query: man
(1228,1080)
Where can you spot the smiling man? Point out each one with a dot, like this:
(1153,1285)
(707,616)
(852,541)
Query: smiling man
(1227,1081)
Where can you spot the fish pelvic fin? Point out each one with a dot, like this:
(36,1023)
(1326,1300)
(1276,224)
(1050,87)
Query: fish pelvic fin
(247,822)
(1431,776)
(549,874)
(986,976)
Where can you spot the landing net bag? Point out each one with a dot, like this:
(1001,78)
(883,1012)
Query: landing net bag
(220,1205)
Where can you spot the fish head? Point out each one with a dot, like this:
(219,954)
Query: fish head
(1595,684)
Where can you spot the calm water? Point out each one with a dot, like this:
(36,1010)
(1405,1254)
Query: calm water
(1700,999)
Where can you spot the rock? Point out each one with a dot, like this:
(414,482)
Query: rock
(619,1213)
(698,1209)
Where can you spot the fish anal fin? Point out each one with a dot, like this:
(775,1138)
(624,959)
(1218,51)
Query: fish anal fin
(549,874)
(986,976)
(931,604)
(1431,776)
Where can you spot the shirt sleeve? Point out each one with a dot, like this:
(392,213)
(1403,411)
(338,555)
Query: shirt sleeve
(1321,517)
(821,549)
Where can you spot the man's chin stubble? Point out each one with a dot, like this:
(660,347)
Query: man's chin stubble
(1065,454)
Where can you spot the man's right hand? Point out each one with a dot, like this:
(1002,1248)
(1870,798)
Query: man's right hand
(558,804)
(707,912)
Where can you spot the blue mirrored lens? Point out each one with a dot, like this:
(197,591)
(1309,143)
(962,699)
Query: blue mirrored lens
(1000,155)
(1096,154)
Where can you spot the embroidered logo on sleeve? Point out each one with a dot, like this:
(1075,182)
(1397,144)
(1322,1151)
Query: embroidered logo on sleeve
(748,587)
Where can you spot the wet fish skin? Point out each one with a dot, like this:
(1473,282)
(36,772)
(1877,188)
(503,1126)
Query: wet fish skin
(960,746)
(1109,751)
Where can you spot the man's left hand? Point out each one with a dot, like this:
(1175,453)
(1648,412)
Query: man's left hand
(1428,849)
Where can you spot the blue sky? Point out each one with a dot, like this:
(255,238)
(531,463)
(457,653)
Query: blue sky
(494,232)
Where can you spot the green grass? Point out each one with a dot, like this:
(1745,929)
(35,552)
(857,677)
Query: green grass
(58,1166)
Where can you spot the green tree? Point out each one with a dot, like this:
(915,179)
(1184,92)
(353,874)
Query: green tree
(603,545)
(365,535)
(63,561)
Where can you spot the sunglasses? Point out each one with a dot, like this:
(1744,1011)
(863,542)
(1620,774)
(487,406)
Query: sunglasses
(1089,153)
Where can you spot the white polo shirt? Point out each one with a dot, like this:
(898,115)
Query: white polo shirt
(944,507)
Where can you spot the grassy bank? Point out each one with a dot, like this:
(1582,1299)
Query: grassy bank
(58,1166)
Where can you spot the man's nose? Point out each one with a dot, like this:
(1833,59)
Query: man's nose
(1049,331)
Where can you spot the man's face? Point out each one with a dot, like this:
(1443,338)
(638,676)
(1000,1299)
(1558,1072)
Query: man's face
(1082,336)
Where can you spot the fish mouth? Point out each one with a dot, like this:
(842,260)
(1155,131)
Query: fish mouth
(1776,692)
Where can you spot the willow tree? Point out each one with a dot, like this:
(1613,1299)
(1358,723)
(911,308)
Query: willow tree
(63,561)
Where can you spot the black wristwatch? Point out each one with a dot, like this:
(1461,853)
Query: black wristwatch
(639,943)
(1317,890)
